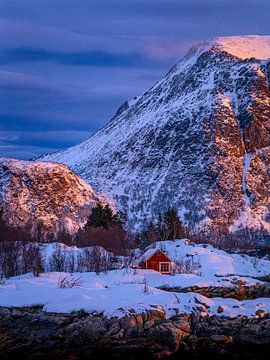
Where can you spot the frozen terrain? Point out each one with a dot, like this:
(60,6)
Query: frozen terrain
(122,290)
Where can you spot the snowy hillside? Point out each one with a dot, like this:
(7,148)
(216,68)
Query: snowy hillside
(198,141)
(43,198)
(212,261)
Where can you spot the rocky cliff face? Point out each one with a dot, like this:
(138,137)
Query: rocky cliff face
(198,141)
(43,198)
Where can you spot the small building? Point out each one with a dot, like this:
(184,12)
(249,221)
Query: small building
(155,259)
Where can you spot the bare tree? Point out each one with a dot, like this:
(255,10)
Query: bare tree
(31,259)
(71,262)
(187,265)
(95,259)
(10,258)
(57,261)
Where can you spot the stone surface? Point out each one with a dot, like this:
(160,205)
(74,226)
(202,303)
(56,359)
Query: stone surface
(160,337)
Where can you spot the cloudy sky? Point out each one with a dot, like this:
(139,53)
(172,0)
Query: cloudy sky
(67,65)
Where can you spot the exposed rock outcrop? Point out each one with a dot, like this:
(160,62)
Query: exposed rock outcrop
(43,198)
(239,292)
(29,332)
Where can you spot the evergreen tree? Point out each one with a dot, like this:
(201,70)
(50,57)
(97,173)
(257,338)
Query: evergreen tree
(170,226)
(104,228)
(102,216)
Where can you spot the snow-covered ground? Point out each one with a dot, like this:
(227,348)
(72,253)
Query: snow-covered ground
(214,262)
(116,293)
(122,290)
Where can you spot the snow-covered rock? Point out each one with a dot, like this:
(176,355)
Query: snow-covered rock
(44,198)
(198,141)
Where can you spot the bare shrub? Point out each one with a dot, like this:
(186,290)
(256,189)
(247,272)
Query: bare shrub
(187,265)
(94,259)
(68,282)
(57,261)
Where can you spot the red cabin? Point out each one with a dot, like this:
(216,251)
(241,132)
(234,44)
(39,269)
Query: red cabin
(155,259)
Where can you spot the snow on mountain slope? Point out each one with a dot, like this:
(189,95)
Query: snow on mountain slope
(243,47)
(198,141)
(43,197)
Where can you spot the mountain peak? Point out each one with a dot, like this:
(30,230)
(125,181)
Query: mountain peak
(243,47)
(196,141)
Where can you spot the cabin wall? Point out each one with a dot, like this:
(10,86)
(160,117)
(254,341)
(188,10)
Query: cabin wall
(153,263)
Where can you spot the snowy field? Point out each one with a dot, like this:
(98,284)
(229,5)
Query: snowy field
(123,290)
(116,294)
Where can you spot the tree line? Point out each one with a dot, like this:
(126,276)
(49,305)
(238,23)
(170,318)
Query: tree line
(107,228)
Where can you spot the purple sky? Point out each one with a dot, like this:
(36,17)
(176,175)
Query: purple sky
(67,65)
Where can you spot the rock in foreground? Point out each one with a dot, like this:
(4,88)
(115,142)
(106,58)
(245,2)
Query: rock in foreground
(30,333)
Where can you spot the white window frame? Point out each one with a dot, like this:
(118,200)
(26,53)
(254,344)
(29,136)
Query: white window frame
(165,263)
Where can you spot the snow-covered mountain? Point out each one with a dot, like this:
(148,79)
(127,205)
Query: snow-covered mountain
(43,198)
(198,141)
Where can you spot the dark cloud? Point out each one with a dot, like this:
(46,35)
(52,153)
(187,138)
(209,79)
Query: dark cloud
(86,58)
(67,65)
(29,144)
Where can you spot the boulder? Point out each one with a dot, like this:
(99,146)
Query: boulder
(221,339)
(261,313)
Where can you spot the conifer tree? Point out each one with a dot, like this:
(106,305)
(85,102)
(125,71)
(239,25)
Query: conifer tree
(102,216)
(170,226)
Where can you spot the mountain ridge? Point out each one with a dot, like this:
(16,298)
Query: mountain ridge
(197,140)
